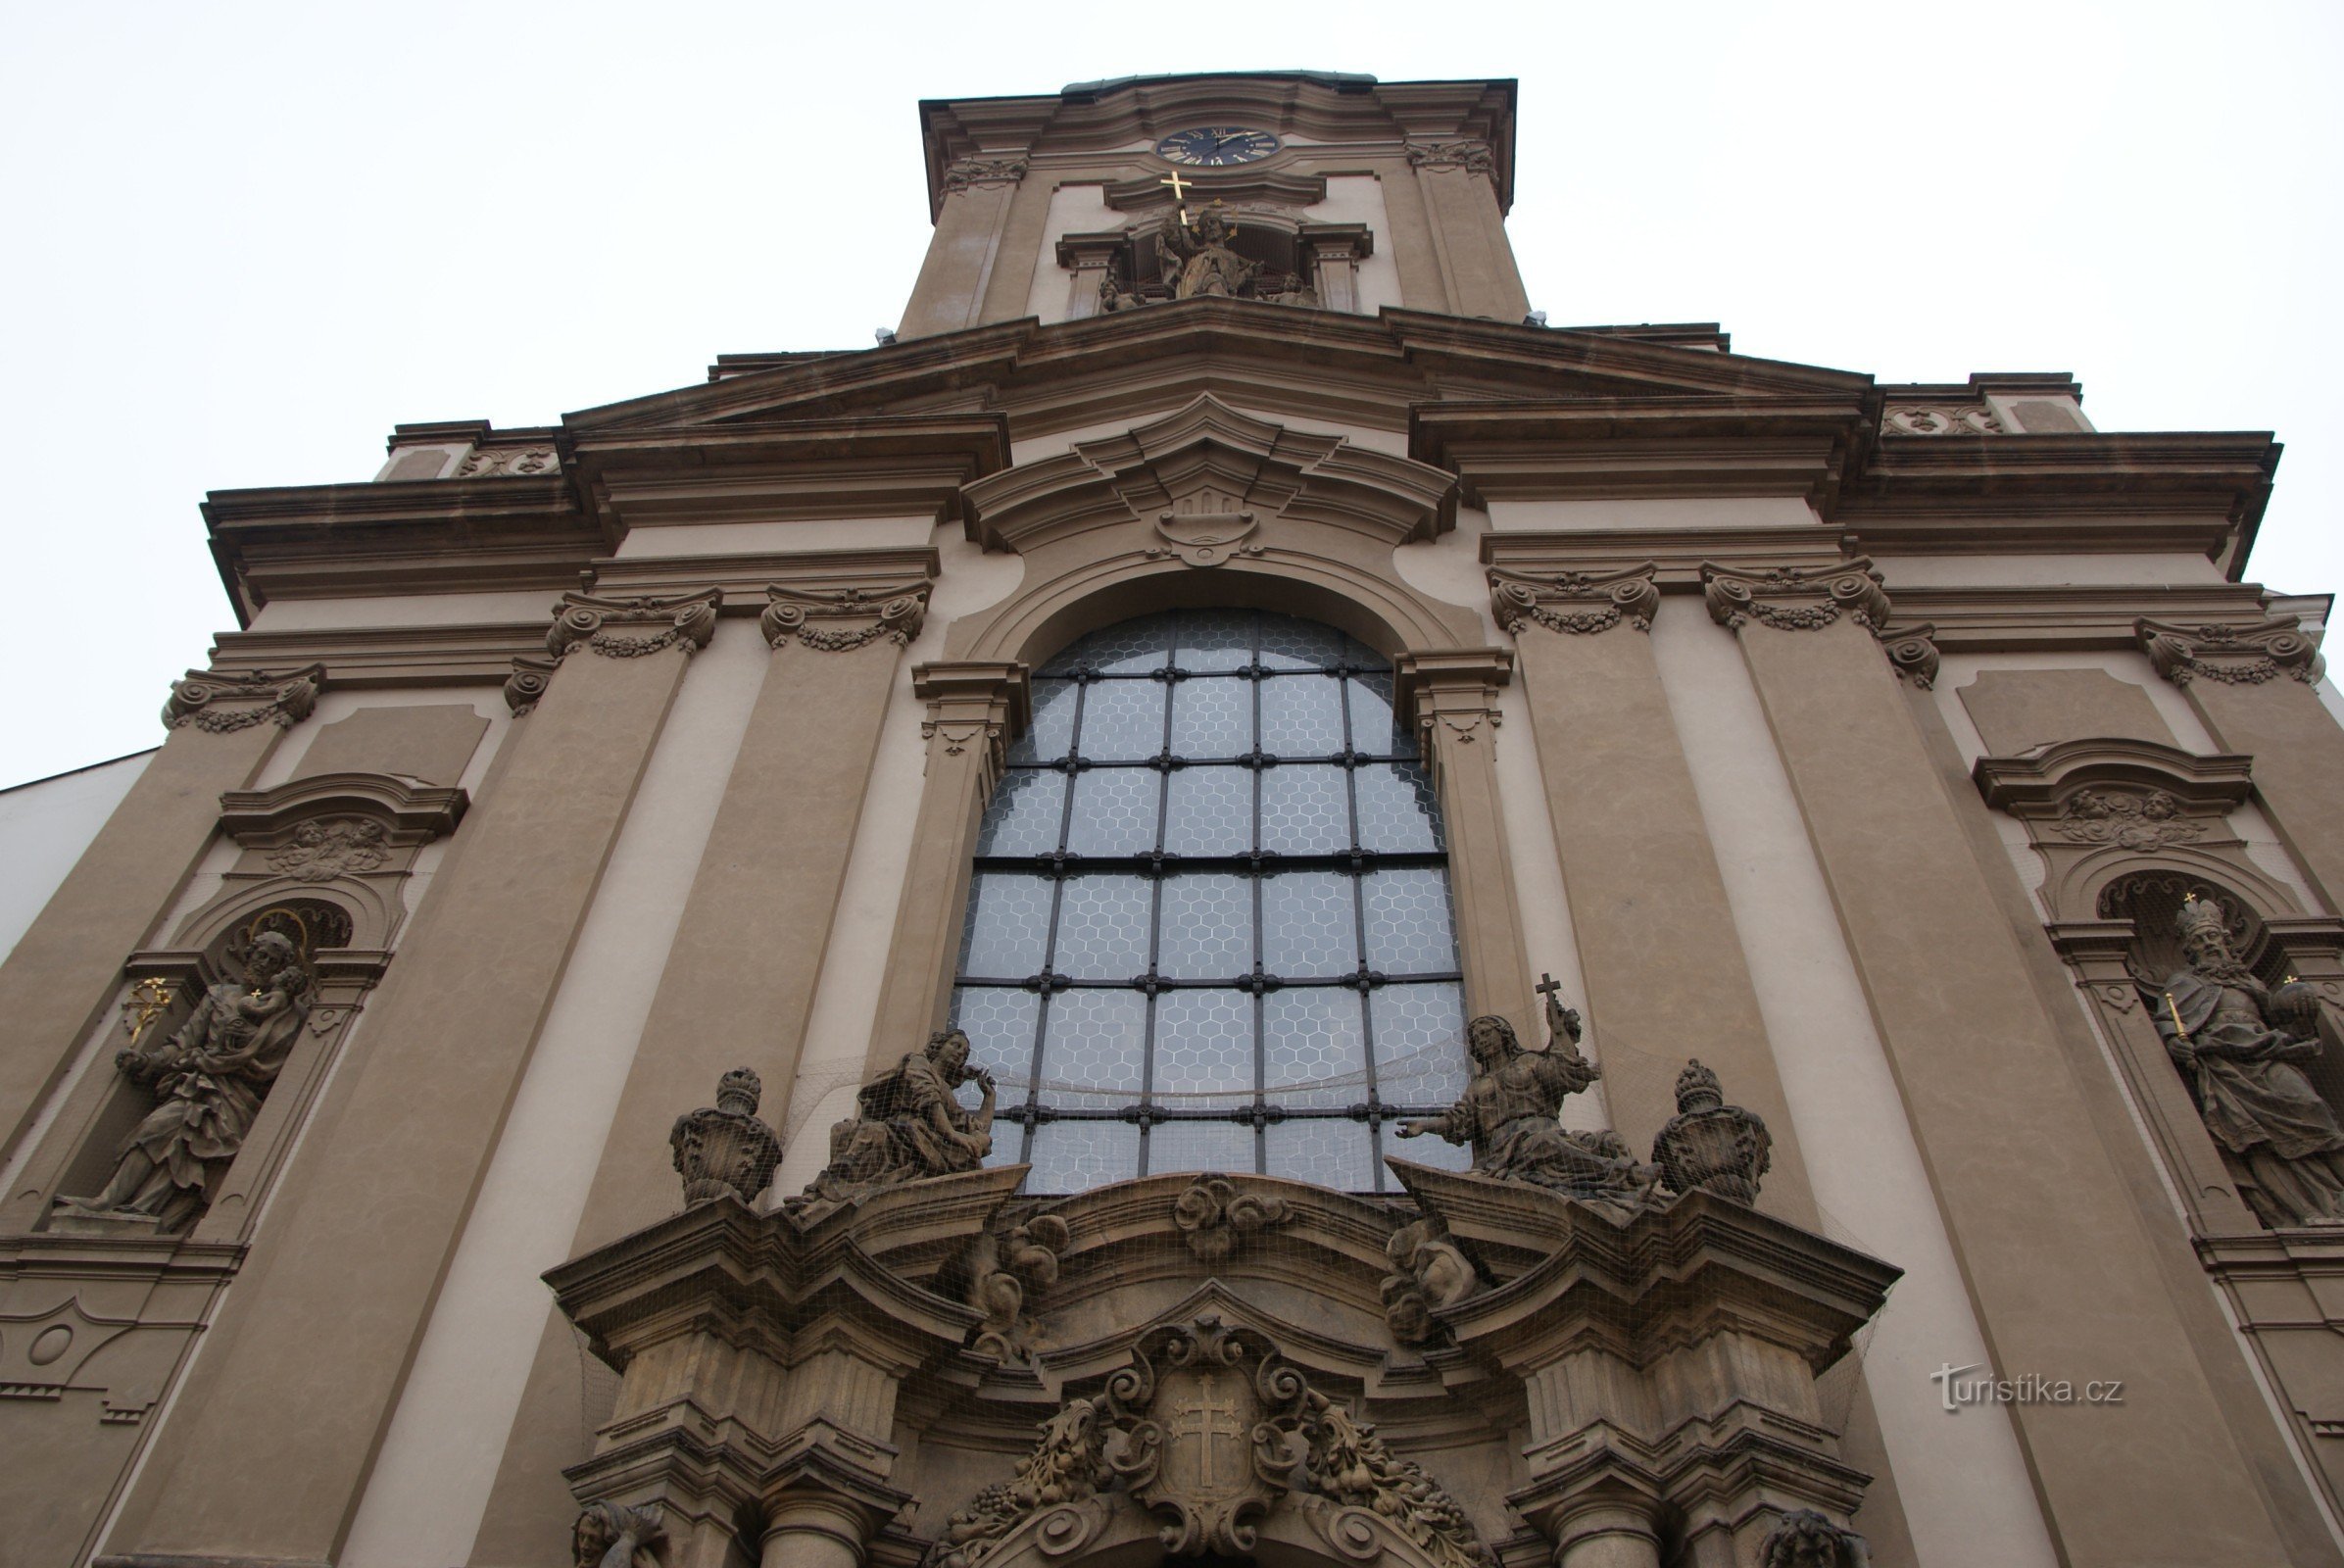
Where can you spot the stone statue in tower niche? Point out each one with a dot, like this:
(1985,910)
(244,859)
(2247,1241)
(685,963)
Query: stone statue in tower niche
(910,1123)
(1200,256)
(1710,1145)
(2238,1042)
(209,1081)
(1509,1111)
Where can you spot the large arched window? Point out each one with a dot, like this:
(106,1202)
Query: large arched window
(1209,925)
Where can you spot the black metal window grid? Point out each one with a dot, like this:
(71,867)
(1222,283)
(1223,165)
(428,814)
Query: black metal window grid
(1209,926)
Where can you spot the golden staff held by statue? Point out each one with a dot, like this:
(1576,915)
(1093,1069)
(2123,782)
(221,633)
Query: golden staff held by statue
(149,1000)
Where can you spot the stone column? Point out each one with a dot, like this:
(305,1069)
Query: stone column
(1664,967)
(1459,181)
(740,977)
(64,973)
(2253,688)
(1453,697)
(2056,1257)
(970,217)
(271,1438)
(975,707)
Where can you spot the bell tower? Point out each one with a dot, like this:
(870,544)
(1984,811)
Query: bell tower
(1309,189)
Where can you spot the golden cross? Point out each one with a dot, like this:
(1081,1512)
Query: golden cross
(1207,1428)
(1180,194)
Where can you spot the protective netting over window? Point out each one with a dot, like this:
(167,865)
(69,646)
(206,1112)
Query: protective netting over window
(1209,926)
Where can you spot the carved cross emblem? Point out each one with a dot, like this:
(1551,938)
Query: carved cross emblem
(1202,1418)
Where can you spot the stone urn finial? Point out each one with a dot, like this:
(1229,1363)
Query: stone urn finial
(725,1149)
(1710,1145)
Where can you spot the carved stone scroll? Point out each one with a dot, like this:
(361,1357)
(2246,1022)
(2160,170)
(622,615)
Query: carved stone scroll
(2238,655)
(843,619)
(685,620)
(1215,1215)
(281,700)
(527,683)
(1581,602)
(1010,1262)
(1428,1272)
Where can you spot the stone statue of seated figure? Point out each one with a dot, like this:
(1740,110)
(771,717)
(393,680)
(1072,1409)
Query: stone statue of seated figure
(1508,1114)
(908,1123)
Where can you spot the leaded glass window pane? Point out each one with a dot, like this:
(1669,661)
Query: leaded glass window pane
(1209,926)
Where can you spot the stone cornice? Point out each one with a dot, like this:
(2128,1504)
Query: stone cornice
(2064,617)
(1675,555)
(387,656)
(2198,492)
(743,578)
(2040,784)
(773,469)
(223,702)
(411,812)
(423,536)
(2233,654)
(1673,445)
(1580,603)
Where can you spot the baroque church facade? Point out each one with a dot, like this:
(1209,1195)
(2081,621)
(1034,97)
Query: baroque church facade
(1228,903)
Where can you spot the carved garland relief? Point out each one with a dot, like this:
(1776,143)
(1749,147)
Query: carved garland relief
(283,700)
(581,621)
(2235,655)
(866,616)
(1472,156)
(1580,603)
(1809,599)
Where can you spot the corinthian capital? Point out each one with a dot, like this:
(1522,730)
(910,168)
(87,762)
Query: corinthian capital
(686,621)
(846,619)
(222,704)
(2236,656)
(1575,602)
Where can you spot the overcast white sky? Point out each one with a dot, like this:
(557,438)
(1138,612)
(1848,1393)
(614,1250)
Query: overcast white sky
(246,240)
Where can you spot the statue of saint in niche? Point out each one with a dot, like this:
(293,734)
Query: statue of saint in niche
(1509,1111)
(2238,1042)
(209,1081)
(1201,256)
(910,1123)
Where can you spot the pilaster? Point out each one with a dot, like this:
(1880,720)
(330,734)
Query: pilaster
(974,708)
(739,980)
(971,218)
(2253,686)
(1662,966)
(1459,180)
(1992,1102)
(61,978)
(276,1428)
(1454,697)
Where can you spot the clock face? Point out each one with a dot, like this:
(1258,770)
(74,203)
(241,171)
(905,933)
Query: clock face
(1216,146)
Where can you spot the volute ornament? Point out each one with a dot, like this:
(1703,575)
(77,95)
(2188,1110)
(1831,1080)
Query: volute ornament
(1010,1262)
(1709,1145)
(967,173)
(1472,156)
(1580,603)
(1795,598)
(846,620)
(1214,1216)
(1428,1272)
(1065,1470)
(280,700)
(2235,655)
(686,621)
(1348,1467)
(724,1150)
